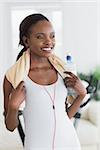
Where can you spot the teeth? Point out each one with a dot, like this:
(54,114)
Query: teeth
(46,49)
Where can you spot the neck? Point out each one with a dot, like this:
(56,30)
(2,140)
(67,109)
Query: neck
(39,61)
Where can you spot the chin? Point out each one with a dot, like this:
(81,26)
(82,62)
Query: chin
(47,54)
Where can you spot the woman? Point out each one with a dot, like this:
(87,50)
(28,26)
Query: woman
(47,125)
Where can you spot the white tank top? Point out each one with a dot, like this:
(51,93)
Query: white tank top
(47,128)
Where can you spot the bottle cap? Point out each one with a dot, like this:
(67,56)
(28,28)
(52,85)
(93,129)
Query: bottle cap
(68,57)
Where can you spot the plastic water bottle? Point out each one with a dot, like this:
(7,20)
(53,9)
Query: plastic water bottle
(71,67)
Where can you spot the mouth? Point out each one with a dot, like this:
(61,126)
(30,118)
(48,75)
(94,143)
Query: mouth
(47,49)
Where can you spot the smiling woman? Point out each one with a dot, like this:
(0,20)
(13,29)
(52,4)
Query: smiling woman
(47,125)
(18,14)
(41,40)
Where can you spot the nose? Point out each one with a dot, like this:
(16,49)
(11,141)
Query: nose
(48,41)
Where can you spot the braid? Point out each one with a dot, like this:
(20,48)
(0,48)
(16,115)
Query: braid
(21,53)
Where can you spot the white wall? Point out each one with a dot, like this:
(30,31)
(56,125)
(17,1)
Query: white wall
(98,31)
(79,31)
(80,35)
(5,36)
(80,26)
(3,47)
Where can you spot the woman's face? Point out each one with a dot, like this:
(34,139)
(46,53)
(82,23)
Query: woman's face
(41,40)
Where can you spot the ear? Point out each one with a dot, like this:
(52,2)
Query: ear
(25,41)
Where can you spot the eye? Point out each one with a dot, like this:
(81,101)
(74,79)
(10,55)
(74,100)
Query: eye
(52,36)
(39,36)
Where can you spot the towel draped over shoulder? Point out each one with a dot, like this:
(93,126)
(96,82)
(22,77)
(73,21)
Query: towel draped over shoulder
(20,69)
(16,73)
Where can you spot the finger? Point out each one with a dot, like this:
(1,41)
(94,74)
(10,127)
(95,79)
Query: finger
(68,78)
(71,79)
(70,84)
(23,90)
(71,74)
(21,85)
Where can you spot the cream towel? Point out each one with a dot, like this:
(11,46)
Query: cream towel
(21,68)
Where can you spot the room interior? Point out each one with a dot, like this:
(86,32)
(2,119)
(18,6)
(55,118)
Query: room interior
(77,26)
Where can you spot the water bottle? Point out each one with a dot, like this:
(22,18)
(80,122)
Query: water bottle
(71,67)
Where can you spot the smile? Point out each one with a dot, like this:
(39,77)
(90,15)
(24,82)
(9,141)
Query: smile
(47,49)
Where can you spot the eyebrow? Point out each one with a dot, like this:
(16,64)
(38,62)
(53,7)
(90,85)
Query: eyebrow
(44,33)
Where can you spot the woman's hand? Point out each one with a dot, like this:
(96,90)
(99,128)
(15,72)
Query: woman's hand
(17,96)
(74,82)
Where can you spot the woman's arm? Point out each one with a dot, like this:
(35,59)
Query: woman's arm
(72,81)
(73,108)
(12,100)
